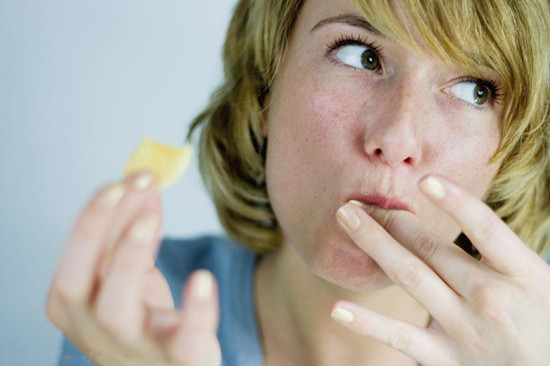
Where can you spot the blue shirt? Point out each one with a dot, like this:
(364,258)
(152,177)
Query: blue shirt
(233,266)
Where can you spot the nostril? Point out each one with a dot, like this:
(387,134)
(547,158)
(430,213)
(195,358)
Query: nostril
(378,152)
(408,160)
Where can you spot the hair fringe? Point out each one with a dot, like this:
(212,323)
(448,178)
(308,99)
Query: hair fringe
(510,36)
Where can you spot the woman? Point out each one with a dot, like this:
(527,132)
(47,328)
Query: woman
(349,146)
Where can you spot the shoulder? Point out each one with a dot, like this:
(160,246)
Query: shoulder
(178,255)
(199,248)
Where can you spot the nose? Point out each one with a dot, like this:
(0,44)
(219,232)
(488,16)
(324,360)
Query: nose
(393,138)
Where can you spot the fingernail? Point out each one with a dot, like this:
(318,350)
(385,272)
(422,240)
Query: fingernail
(110,198)
(347,218)
(367,208)
(358,203)
(145,228)
(202,285)
(342,315)
(143,180)
(433,188)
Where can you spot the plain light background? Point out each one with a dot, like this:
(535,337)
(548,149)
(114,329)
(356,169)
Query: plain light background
(81,82)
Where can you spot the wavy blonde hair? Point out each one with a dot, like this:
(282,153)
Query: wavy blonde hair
(511,37)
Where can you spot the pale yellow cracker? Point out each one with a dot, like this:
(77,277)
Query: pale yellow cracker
(166,163)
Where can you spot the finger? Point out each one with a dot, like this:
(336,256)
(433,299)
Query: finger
(120,308)
(162,317)
(156,291)
(454,266)
(416,342)
(92,232)
(141,191)
(498,244)
(195,340)
(400,265)
(75,273)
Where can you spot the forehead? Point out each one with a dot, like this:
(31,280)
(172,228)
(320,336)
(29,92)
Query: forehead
(313,11)
(443,36)
(316,13)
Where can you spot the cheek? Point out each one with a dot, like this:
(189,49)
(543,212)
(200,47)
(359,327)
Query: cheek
(319,115)
(466,162)
(307,150)
(307,128)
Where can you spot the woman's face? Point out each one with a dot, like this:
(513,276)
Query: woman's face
(356,115)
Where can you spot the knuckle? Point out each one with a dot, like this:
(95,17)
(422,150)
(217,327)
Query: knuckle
(484,293)
(399,339)
(63,314)
(109,324)
(492,301)
(67,293)
(53,310)
(484,229)
(410,274)
(425,245)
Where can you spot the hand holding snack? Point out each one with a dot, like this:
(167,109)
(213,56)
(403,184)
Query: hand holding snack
(107,295)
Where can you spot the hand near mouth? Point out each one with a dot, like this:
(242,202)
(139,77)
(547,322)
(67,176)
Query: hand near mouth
(488,312)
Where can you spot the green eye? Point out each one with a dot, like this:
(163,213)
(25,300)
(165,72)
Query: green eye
(370,60)
(474,92)
(481,94)
(361,57)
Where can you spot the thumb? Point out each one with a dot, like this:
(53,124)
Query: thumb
(195,340)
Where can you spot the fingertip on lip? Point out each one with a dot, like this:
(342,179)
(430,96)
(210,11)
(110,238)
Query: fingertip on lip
(359,203)
(370,208)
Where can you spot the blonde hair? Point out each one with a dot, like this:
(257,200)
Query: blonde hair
(511,37)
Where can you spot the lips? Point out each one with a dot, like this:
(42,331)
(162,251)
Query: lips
(388,203)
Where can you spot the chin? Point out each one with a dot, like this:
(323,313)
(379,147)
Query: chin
(342,263)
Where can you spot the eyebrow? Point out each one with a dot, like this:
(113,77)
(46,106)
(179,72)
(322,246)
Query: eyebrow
(349,19)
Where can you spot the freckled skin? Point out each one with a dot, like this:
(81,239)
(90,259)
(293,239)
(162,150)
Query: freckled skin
(333,131)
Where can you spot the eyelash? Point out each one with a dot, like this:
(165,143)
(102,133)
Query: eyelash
(349,40)
(352,40)
(493,86)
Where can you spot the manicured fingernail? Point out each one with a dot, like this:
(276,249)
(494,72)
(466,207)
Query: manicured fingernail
(110,198)
(145,228)
(347,218)
(432,187)
(202,285)
(342,315)
(143,180)
(367,208)
(358,203)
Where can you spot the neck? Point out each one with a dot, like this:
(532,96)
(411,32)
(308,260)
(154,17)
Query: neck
(294,316)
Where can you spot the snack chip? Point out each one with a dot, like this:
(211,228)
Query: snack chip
(166,163)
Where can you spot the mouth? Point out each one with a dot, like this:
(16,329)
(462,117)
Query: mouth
(380,201)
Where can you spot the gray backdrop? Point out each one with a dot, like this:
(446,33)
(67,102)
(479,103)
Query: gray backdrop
(80,83)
